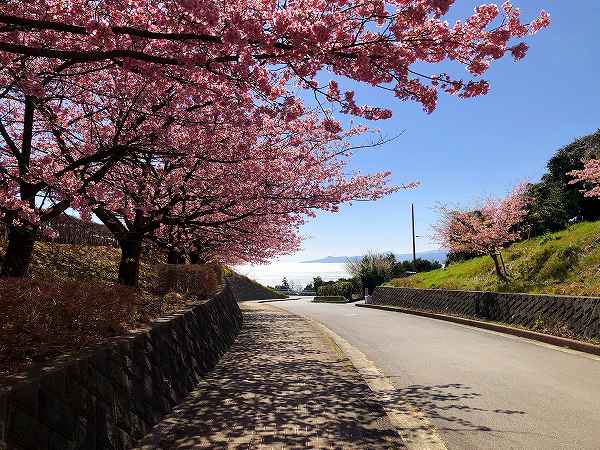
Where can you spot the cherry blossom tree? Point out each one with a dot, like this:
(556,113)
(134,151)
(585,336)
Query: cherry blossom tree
(261,46)
(219,174)
(99,100)
(58,143)
(30,168)
(253,240)
(485,230)
(589,176)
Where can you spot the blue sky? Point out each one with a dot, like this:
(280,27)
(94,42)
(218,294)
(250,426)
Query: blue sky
(469,149)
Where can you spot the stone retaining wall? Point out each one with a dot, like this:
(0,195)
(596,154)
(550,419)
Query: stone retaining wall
(110,397)
(579,315)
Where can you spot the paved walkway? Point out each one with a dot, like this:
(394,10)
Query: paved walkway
(283,385)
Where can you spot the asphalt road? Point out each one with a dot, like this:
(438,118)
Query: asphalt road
(482,390)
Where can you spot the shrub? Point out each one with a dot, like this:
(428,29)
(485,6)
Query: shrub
(199,281)
(553,200)
(340,288)
(330,299)
(458,257)
(529,267)
(402,268)
(372,270)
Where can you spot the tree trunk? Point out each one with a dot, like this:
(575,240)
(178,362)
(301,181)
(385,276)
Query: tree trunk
(196,253)
(18,253)
(499,273)
(131,252)
(503,265)
(175,257)
(195,257)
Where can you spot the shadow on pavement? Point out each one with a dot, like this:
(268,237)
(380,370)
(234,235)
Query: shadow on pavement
(282,385)
(439,402)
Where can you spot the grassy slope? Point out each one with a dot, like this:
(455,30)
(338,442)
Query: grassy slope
(94,263)
(83,262)
(566,262)
(227,272)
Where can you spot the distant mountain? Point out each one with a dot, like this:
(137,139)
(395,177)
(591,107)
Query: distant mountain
(431,255)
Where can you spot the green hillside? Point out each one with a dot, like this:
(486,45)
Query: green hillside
(566,262)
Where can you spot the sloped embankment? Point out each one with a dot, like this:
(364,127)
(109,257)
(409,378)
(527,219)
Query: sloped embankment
(246,289)
(562,263)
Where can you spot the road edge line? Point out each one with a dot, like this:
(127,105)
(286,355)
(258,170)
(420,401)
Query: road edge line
(557,341)
(415,429)
(417,432)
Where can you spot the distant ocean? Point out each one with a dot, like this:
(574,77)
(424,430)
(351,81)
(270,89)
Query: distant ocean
(300,274)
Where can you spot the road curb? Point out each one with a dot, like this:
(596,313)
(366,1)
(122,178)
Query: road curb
(533,335)
(417,432)
(274,300)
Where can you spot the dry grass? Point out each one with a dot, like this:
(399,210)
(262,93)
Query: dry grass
(86,262)
(71,302)
(191,280)
(41,319)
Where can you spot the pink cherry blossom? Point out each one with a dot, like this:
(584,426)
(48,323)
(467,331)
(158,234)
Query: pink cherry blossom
(188,116)
(588,177)
(486,229)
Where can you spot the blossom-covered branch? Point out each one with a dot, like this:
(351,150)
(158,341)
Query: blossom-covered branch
(485,230)
(589,176)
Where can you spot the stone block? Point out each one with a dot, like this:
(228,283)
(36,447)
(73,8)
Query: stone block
(25,431)
(3,417)
(55,414)
(121,439)
(117,372)
(137,399)
(57,442)
(26,397)
(141,365)
(104,388)
(87,377)
(519,309)
(129,363)
(101,360)
(88,440)
(104,425)
(81,401)
(139,428)
(122,411)
(55,382)
(84,430)
(149,343)
(73,371)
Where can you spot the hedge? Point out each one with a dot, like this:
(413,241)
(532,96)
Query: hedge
(332,299)
(341,288)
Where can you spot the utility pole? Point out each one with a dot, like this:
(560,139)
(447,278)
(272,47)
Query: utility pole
(412,208)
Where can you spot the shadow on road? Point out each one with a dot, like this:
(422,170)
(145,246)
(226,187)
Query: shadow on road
(438,402)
